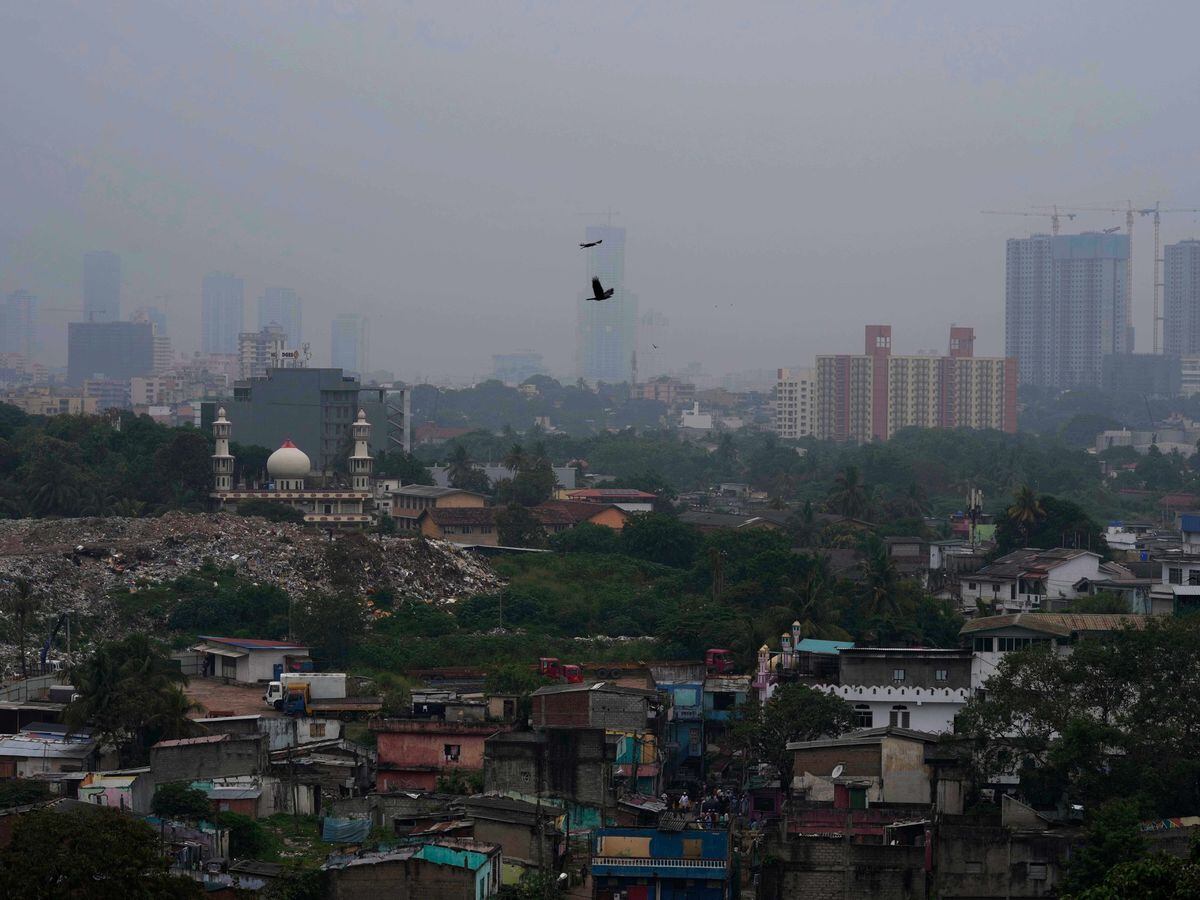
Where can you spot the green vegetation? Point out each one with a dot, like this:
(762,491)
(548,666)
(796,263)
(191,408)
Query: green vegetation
(1110,721)
(794,713)
(272,512)
(87,853)
(131,694)
(178,801)
(247,838)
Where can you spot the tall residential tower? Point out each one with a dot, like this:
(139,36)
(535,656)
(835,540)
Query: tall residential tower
(1067,306)
(280,306)
(606,340)
(1181,298)
(222,313)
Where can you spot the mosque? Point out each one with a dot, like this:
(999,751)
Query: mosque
(289,470)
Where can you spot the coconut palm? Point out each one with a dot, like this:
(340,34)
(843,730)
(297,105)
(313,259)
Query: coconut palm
(849,495)
(458,467)
(1026,511)
(516,458)
(879,580)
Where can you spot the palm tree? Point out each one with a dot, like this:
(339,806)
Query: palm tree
(879,577)
(803,525)
(1026,511)
(20,606)
(516,459)
(815,604)
(849,496)
(458,467)
(911,502)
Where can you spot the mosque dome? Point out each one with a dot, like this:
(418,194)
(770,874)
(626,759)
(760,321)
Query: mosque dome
(289,461)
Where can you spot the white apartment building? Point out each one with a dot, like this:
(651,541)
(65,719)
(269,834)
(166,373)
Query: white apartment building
(795,398)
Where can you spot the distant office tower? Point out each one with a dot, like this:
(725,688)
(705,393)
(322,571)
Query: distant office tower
(795,403)
(153,315)
(264,349)
(281,306)
(515,368)
(101,286)
(109,350)
(348,344)
(222,313)
(18,324)
(652,337)
(874,395)
(606,340)
(1181,298)
(1066,306)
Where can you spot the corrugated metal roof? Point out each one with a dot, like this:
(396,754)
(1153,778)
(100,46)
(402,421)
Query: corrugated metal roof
(1062,624)
(183,742)
(812,645)
(254,643)
(30,748)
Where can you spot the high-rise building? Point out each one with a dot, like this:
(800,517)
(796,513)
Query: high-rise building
(875,394)
(795,403)
(101,286)
(109,351)
(1067,305)
(18,324)
(348,343)
(222,313)
(153,315)
(281,306)
(1181,298)
(516,368)
(264,349)
(606,339)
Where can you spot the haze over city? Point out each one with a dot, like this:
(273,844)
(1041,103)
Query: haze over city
(784,174)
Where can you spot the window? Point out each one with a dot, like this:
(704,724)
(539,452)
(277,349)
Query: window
(1174,576)
(898,717)
(1037,871)
(983,645)
(1012,591)
(1194,577)
(941,675)
(724,700)
(897,674)
(970,585)
(863,717)
(316,729)
(451,752)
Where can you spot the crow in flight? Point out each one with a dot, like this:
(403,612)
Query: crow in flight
(591,244)
(598,291)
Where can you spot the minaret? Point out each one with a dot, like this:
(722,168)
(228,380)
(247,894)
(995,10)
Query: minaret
(361,462)
(222,462)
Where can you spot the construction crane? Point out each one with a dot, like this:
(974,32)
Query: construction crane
(1054,216)
(1157,212)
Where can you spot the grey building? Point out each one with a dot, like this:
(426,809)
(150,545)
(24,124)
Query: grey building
(1181,298)
(606,339)
(515,368)
(281,306)
(18,324)
(222,312)
(315,408)
(101,286)
(1153,374)
(1067,306)
(348,343)
(113,350)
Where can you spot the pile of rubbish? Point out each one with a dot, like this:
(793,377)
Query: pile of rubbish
(72,565)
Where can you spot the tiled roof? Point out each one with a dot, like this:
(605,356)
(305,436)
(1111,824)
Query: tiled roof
(611,494)
(462,515)
(1061,624)
(578,510)
(1030,559)
(429,490)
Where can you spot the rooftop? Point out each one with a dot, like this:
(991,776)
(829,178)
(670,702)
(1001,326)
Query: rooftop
(186,742)
(612,494)
(866,737)
(430,490)
(253,643)
(1030,560)
(1060,624)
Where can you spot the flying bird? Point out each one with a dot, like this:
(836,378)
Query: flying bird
(598,291)
(591,244)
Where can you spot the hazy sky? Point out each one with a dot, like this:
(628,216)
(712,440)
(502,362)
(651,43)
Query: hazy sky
(806,168)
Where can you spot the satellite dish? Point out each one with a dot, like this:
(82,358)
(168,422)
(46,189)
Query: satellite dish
(838,770)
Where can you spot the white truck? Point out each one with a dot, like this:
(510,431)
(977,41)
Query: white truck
(317,694)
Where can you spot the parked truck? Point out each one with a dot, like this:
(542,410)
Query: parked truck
(318,694)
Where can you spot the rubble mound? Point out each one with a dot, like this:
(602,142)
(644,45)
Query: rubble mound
(75,563)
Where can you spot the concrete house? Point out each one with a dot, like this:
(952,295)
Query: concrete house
(208,757)
(651,862)
(43,748)
(992,637)
(598,705)
(905,687)
(250,660)
(1030,580)
(573,764)
(880,765)
(413,753)
(405,504)
(441,869)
